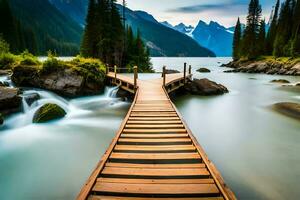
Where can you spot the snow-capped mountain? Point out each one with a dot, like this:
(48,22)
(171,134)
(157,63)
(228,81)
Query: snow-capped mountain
(212,36)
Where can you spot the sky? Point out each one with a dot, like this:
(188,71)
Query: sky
(190,12)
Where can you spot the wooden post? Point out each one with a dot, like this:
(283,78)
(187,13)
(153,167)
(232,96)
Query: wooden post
(115,70)
(190,69)
(184,73)
(135,70)
(164,75)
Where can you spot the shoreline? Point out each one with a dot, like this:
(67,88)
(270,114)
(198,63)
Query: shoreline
(266,65)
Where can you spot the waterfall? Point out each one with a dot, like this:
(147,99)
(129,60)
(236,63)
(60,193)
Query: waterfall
(112,92)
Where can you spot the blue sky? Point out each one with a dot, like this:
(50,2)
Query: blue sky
(191,11)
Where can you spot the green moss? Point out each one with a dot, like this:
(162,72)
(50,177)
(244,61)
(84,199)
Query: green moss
(8,60)
(48,112)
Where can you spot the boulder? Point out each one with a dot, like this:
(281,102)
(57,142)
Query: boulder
(48,112)
(66,81)
(172,71)
(31,98)
(280,81)
(205,87)
(4,84)
(1,119)
(10,100)
(4,72)
(124,95)
(203,70)
(289,109)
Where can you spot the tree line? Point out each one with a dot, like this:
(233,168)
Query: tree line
(282,38)
(107,38)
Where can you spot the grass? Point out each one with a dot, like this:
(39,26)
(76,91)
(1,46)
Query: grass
(9,60)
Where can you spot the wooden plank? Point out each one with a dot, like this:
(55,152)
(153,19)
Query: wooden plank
(177,135)
(155,172)
(155,126)
(151,189)
(157,181)
(154,122)
(158,141)
(154,156)
(153,118)
(154,131)
(155,147)
(100,197)
(156,166)
(153,114)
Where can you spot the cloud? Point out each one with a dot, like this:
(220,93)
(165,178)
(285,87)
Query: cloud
(233,8)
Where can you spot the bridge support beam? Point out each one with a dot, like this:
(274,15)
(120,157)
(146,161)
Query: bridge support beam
(164,75)
(135,70)
(184,73)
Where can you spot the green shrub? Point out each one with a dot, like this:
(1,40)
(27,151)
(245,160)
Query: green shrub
(7,60)
(91,64)
(29,59)
(52,64)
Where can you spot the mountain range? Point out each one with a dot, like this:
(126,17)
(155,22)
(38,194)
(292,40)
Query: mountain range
(212,36)
(160,40)
(58,25)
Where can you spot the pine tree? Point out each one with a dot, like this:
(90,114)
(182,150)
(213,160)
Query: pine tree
(282,44)
(88,41)
(272,31)
(261,40)
(296,31)
(250,44)
(237,40)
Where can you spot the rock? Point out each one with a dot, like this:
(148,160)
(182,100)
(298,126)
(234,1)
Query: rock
(298,84)
(203,70)
(231,71)
(124,95)
(280,81)
(5,72)
(4,84)
(205,87)
(10,100)
(1,119)
(48,112)
(172,71)
(31,98)
(271,66)
(289,109)
(66,81)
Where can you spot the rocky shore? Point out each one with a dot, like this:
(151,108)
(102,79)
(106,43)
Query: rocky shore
(267,66)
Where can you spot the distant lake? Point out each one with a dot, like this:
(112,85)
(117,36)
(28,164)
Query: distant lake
(255,149)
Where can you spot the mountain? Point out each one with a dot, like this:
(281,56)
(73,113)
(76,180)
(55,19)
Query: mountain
(161,41)
(212,36)
(164,41)
(51,28)
(76,9)
(184,29)
(167,24)
(215,37)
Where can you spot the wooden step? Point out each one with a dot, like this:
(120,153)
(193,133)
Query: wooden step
(154,156)
(160,173)
(150,126)
(161,141)
(154,122)
(156,166)
(154,131)
(177,135)
(157,189)
(101,197)
(157,118)
(155,148)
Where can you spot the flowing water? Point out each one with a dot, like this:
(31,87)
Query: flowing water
(255,149)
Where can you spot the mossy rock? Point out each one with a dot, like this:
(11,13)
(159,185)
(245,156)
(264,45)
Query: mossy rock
(48,112)
(1,119)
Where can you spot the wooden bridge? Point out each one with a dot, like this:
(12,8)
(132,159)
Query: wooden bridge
(154,155)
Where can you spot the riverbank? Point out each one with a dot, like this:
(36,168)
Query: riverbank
(266,65)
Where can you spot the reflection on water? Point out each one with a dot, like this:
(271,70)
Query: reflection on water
(256,149)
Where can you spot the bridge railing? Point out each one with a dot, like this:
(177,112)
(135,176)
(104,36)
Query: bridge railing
(186,73)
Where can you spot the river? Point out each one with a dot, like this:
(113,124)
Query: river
(255,149)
